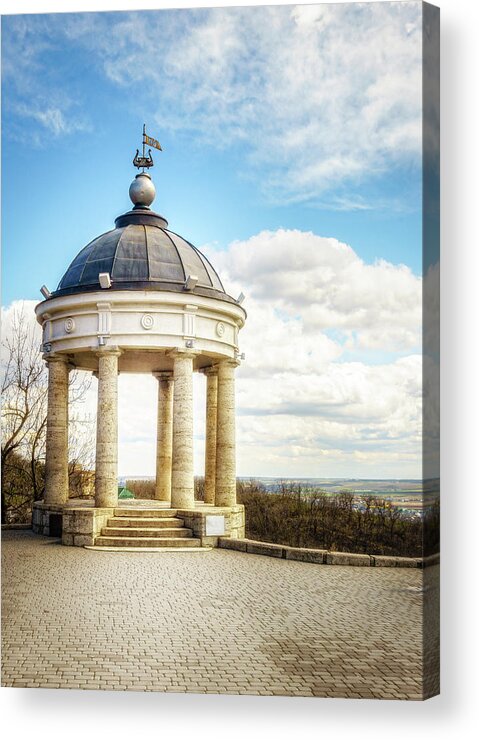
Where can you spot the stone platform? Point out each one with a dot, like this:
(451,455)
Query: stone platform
(80,524)
(217,622)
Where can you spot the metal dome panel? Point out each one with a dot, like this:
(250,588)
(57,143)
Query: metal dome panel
(163,257)
(192,263)
(131,258)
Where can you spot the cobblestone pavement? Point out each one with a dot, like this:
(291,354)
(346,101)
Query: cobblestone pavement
(213,622)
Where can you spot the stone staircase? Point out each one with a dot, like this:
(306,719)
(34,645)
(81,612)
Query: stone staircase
(131,529)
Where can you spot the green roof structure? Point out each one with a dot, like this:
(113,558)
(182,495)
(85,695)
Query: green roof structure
(124,492)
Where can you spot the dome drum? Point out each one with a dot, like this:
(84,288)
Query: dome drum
(146,325)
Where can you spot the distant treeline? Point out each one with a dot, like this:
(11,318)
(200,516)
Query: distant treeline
(303,519)
(291,517)
(146,488)
(142,488)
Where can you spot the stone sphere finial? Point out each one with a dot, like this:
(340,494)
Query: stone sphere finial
(142,191)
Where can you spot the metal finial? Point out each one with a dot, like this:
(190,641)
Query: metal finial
(145,162)
(142,190)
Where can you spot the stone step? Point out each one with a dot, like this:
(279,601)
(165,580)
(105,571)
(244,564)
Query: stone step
(130,532)
(147,542)
(145,522)
(149,549)
(148,513)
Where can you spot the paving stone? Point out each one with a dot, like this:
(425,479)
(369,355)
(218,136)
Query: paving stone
(221,622)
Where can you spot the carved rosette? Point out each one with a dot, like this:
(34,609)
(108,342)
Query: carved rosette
(69,325)
(147,321)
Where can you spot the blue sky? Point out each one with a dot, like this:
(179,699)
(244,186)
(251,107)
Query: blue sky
(288,120)
(70,130)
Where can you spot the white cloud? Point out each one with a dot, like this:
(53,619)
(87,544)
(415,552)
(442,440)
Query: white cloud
(312,303)
(312,398)
(320,97)
(296,273)
(137,414)
(338,423)
(34,84)
(54,120)
(10,315)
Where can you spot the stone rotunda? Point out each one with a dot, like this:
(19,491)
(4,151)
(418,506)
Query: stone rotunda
(142,299)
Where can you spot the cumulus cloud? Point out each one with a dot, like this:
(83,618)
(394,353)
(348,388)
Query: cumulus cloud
(313,400)
(10,315)
(312,395)
(295,273)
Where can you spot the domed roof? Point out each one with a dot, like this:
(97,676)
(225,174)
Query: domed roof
(141,253)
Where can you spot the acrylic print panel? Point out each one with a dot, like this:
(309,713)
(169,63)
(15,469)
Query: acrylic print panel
(220,461)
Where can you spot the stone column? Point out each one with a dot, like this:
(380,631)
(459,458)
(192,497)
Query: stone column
(182,475)
(225,435)
(106,476)
(210,437)
(164,438)
(56,454)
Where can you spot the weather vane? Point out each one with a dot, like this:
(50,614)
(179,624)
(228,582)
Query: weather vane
(145,162)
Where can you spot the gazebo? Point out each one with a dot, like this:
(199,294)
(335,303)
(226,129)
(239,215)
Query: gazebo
(142,299)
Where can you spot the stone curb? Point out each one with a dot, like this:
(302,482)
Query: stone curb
(16,526)
(324,557)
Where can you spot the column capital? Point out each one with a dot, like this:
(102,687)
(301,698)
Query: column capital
(182,352)
(108,352)
(229,362)
(56,357)
(163,374)
(211,370)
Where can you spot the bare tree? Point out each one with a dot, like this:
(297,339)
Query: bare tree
(24,387)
